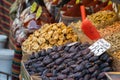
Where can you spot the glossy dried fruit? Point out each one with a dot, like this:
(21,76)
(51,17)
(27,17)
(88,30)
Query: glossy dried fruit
(76,75)
(50,65)
(56,56)
(61,65)
(87,77)
(79,68)
(61,76)
(104,65)
(58,61)
(88,65)
(101,75)
(94,58)
(104,57)
(94,74)
(65,71)
(107,69)
(53,78)
(49,74)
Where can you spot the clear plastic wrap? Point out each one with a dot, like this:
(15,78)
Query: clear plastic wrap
(77,29)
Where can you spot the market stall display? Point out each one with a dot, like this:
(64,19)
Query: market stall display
(69,62)
(102,18)
(24,24)
(116,60)
(27,16)
(47,48)
(29,21)
(47,36)
(112,35)
(114,28)
(71,15)
(73,12)
(101,6)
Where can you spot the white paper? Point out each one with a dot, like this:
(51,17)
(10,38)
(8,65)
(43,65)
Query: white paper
(99,47)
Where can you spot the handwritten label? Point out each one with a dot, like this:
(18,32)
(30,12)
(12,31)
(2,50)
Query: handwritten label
(39,12)
(99,47)
(33,7)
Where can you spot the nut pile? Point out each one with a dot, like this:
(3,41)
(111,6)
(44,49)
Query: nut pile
(73,62)
(116,60)
(116,54)
(102,18)
(112,35)
(48,36)
(114,40)
(114,28)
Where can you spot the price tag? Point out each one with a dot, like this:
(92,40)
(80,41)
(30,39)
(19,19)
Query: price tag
(39,12)
(33,7)
(99,47)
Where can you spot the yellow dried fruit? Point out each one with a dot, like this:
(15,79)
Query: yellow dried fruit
(48,36)
(60,42)
(52,41)
(37,33)
(103,18)
(35,46)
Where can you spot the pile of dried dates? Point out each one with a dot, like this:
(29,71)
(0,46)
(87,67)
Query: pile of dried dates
(69,62)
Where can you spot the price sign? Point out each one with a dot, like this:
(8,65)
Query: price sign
(33,7)
(99,47)
(39,12)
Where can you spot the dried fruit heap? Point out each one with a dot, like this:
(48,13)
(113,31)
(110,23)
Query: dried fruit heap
(48,36)
(102,18)
(73,62)
(116,60)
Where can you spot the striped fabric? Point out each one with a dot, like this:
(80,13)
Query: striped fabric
(17,57)
(5,29)
(4,16)
(16,63)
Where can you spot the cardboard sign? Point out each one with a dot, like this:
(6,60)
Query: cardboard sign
(99,47)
